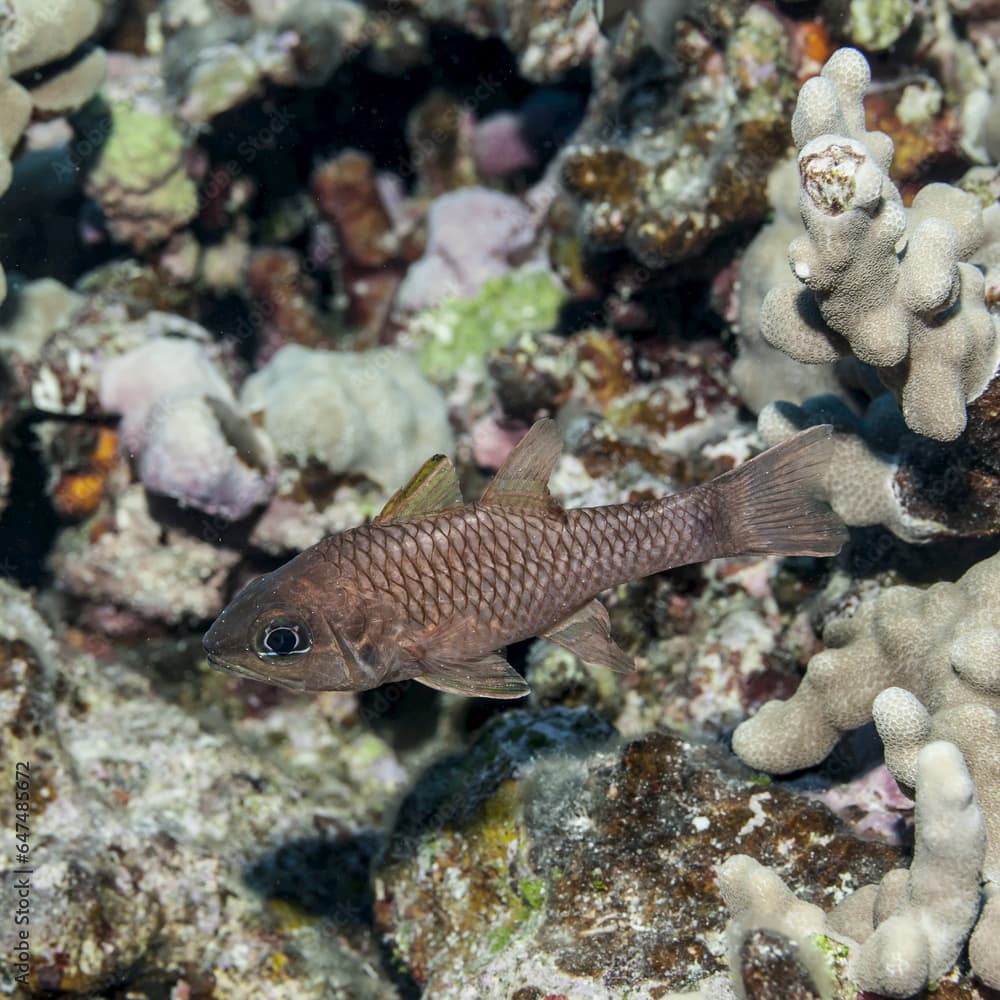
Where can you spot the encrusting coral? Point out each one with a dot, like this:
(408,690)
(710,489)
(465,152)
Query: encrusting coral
(918,314)
(372,413)
(690,166)
(139,175)
(474,234)
(181,423)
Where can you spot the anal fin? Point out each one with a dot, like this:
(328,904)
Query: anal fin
(489,676)
(587,633)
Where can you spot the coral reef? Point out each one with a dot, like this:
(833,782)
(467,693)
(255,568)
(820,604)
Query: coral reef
(690,165)
(193,861)
(919,316)
(545,844)
(265,257)
(181,424)
(139,176)
(921,917)
(130,568)
(218,55)
(882,473)
(463,332)
(922,663)
(35,37)
(761,373)
(474,234)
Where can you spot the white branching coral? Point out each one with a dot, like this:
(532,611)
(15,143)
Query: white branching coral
(908,931)
(892,288)
(35,33)
(925,664)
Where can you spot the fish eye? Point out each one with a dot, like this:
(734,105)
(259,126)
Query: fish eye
(283,638)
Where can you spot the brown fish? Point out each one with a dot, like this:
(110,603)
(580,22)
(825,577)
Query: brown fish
(434,587)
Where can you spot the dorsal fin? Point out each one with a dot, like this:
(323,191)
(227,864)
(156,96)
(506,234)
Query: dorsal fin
(523,478)
(434,487)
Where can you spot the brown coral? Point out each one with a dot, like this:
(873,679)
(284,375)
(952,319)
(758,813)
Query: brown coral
(691,165)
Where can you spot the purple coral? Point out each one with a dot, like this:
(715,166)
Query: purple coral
(181,424)
(474,234)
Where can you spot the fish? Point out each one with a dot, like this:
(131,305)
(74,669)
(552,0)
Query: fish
(434,588)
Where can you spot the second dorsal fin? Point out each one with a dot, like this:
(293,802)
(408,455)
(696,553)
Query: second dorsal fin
(434,487)
(523,478)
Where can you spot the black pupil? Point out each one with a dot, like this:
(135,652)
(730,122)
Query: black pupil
(282,640)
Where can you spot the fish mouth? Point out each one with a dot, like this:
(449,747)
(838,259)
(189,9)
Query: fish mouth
(252,674)
(218,663)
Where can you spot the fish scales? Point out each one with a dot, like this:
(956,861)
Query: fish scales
(434,587)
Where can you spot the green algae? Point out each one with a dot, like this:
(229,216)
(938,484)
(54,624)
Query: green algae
(140,168)
(877,24)
(533,892)
(461,333)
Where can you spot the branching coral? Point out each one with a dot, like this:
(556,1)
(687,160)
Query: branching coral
(926,665)
(905,933)
(861,480)
(34,33)
(917,314)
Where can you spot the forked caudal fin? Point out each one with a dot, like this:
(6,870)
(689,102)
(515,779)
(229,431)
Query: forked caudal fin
(774,503)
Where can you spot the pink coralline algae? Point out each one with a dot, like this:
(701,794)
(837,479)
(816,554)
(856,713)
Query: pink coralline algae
(474,234)
(181,424)
(499,146)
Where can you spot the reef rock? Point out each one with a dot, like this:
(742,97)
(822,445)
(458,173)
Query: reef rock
(169,858)
(546,861)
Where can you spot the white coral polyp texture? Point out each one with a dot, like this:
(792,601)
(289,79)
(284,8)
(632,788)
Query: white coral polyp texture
(923,664)
(859,483)
(757,899)
(905,933)
(372,413)
(931,918)
(900,655)
(893,291)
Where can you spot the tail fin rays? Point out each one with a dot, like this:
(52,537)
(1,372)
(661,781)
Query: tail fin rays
(774,504)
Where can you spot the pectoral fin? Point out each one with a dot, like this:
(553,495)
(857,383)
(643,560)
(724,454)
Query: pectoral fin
(587,633)
(490,676)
